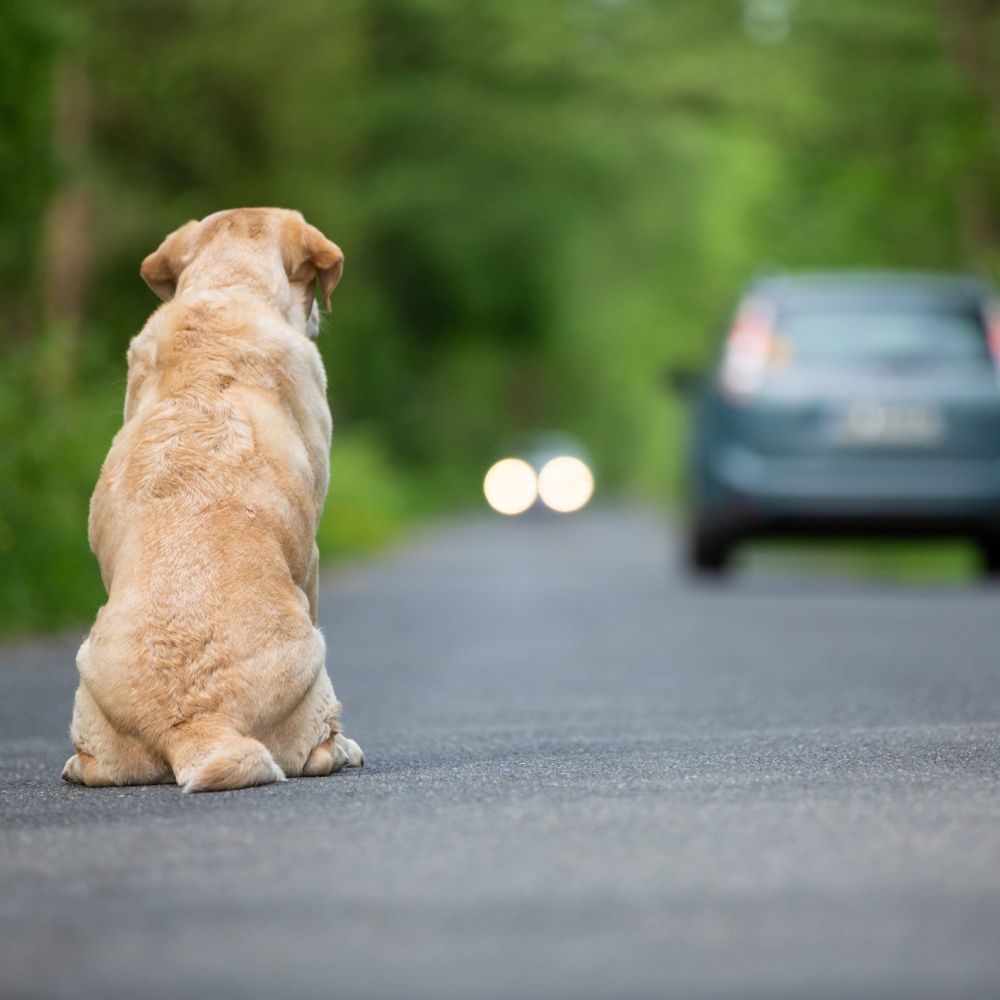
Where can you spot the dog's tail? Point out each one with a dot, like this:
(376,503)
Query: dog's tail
(240,762)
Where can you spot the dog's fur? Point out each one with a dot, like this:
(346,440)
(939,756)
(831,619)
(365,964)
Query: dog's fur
(205,667)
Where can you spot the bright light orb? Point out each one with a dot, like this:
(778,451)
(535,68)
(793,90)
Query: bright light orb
(565,484)
(510,486)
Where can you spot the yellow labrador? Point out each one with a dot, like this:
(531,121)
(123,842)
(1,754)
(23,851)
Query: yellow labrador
(205,667)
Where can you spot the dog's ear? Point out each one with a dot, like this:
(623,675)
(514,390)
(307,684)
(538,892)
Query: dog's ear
(161,269)
(308,254)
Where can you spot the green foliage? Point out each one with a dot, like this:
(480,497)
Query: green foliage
(367,500)
(53,446)
(29,36)
(542,204)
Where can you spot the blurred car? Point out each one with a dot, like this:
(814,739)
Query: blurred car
(542,471)
(852,404)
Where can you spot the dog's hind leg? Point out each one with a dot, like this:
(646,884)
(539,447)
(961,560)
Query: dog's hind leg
(105,756)
(309,742)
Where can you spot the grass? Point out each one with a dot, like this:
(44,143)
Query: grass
(935,562)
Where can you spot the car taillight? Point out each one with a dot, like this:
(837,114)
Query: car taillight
(993,330)
(748,350)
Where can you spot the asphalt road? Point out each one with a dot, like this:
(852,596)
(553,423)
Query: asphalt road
(586,778)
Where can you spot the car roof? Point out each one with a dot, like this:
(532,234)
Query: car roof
(882,288)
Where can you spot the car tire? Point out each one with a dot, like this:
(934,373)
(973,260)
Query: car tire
(710,549)
(989,556)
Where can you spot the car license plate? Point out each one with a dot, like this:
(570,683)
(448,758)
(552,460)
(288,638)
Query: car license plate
(881,424)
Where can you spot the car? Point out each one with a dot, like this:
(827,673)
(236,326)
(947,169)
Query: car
(864,404)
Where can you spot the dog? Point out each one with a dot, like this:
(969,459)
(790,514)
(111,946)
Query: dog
(205,666)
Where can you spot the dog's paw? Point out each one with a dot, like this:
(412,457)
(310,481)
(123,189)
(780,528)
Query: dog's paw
(333,755)
(353,754)
(73,772)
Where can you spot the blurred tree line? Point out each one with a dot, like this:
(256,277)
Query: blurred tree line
(541,203)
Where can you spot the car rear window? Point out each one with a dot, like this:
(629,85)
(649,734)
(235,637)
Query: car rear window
(880,337)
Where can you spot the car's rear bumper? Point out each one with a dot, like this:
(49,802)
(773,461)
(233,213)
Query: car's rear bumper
(885,494)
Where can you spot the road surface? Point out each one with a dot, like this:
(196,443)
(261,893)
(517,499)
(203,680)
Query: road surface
(586,778)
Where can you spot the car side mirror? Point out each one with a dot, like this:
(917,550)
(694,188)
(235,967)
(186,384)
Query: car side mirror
(683,381)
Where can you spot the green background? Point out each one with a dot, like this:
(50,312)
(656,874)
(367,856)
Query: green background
(543,204)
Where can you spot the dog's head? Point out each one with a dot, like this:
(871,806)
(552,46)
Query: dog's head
(271,251)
